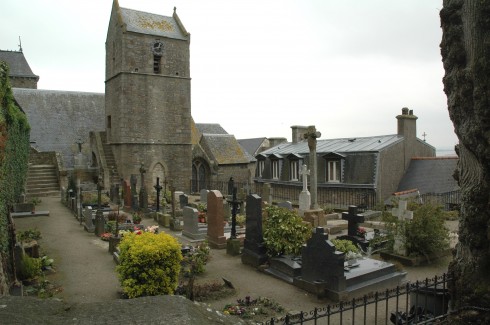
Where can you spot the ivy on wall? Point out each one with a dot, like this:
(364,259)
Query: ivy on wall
(14,154)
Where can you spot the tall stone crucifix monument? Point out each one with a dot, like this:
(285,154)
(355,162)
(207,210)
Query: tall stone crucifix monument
(311,135)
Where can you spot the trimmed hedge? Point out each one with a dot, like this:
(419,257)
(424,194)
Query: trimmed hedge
(149,264)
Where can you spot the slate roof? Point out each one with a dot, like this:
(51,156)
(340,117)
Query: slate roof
(153,24)
(225,149)
(59,118)
(365,144)
(210,128)
(252,145)
(17,63)
(430,175)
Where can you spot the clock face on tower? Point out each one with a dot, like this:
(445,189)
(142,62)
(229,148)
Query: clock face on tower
(157,48)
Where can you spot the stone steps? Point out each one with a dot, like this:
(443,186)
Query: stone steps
(42,181)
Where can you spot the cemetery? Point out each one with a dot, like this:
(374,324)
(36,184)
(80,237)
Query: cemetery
(142,211)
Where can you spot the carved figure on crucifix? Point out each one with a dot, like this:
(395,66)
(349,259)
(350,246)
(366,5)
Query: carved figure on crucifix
(304,173)
(304,196)
(311,135)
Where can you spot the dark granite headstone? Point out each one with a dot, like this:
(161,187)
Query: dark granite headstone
(183,200)
(286,205)
(353,220)
(254,250)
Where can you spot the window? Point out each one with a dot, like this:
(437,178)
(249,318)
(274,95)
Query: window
(333,171)
(293,170)
(156,63)
(275,169)
(260,168)
(109,124)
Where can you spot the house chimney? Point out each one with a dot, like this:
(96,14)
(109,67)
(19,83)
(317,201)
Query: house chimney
(407,124)
(275,141)
(298,133)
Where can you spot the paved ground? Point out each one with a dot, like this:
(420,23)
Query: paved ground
(86,270)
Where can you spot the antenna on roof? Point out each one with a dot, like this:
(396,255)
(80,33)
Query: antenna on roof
(20,45)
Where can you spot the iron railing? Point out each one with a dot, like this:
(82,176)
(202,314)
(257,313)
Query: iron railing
(334,197)
(422,302)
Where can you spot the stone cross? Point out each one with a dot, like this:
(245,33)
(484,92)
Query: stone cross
(99,190)
(353,218)
(403,215)
(143,195)
(235,203)
(158,188)
(401,212)
(311,135)
(304,173)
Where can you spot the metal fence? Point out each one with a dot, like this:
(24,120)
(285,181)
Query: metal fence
(422,302)
(449,200)
(334,197)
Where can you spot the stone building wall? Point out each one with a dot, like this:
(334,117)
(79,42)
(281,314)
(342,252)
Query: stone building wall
(148,113)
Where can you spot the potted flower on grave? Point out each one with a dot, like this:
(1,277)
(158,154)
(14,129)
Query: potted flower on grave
(351,252)
(361,232)
(136,218)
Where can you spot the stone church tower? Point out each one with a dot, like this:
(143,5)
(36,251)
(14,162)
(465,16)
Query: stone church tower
(147,96)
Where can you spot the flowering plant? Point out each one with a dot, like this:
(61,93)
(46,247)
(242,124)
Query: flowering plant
(361,232)
(105,236)
(153,229)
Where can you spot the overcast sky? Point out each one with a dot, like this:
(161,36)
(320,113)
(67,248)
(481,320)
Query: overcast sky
(259,67)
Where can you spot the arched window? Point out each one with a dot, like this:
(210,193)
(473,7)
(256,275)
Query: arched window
(199,176)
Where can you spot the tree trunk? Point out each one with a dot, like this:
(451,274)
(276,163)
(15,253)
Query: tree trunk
(465,50)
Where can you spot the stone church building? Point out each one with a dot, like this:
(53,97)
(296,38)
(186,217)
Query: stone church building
(143,119)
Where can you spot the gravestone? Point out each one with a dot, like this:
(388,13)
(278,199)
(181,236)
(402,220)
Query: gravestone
(403,215)
(204,196)
(88,217)
(322,265)
(183,200)
(304,196)
(316,217)
(353,220)
(99,223)
(127,194)
(134,194)
(143,196)
(267,193)
(192,228)
(286,205)
(216,235)
(254,250)
(226,211)
(326,274)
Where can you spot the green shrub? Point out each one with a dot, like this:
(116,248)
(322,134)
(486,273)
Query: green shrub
(149,264)
(345,246)
(195,261)
(30,268)
(284,231)
(426,233)
(28,235)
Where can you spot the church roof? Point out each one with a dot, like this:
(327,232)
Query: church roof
(253,145)
(59,119)
(153,24)
(364,144)
(225,149)
(210,128)
(17,63)
(430,175)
